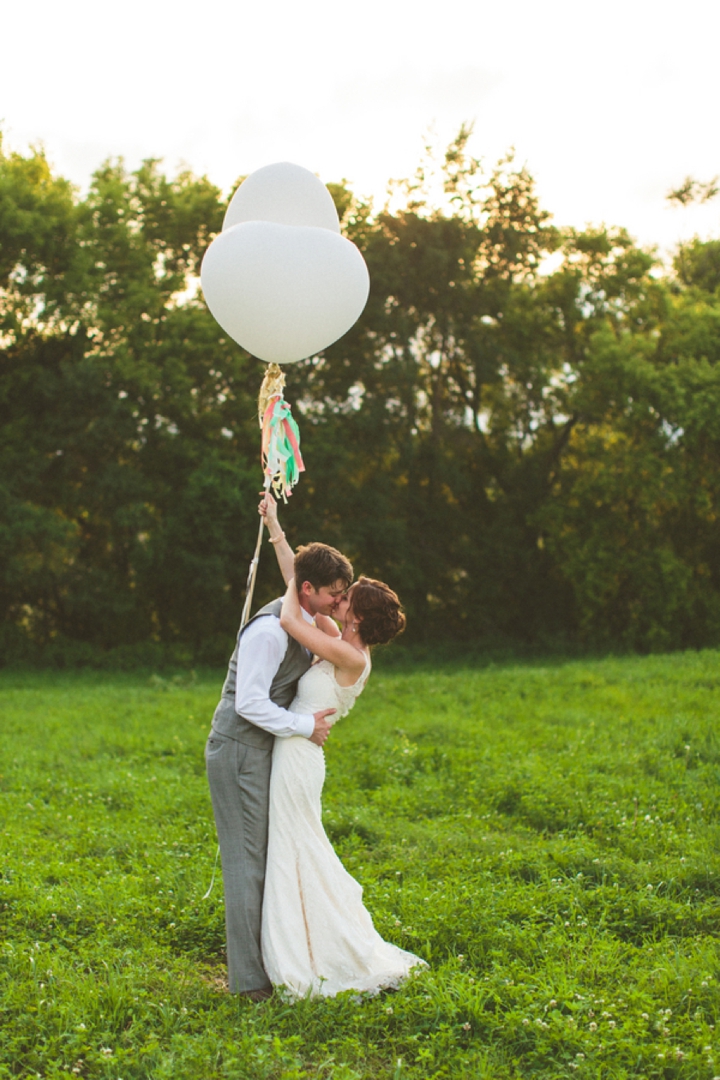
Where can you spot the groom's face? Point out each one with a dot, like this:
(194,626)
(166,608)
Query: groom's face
(322,601)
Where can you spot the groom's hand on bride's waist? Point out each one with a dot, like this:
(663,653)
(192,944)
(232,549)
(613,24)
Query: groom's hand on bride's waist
(322,726)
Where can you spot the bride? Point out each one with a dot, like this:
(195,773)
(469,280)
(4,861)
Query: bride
(317,936)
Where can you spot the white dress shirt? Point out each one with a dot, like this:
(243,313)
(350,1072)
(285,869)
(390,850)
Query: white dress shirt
(261,651)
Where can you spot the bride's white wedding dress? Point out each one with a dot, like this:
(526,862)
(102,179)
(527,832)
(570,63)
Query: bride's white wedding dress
(317,937)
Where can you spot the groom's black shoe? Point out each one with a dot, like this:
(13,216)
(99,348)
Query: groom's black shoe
(256,995)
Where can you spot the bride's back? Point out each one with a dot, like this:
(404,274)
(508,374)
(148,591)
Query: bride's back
(319,689)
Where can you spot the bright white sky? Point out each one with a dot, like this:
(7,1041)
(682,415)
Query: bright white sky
(608,104)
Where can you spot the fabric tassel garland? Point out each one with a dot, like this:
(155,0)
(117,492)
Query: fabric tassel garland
(281,458)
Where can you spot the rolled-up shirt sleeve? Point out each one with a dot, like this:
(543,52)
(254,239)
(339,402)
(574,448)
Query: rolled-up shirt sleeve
(261,651)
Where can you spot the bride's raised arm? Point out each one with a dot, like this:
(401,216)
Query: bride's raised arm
(283,552)
(341,653)
(285,557)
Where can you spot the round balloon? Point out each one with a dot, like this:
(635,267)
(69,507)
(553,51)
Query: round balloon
(284,292)
(286,194)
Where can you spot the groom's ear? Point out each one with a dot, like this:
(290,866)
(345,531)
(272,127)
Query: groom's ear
(306,588)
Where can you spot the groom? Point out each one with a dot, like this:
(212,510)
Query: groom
(261,681)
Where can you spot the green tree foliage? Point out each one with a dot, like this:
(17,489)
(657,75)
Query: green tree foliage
(694,191)
(127,431)
(633,518)
(520,434)
(698,264)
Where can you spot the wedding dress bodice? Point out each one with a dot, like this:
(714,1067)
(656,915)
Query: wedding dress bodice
(319,689)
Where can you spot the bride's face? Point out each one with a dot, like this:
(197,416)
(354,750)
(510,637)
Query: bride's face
(343,609)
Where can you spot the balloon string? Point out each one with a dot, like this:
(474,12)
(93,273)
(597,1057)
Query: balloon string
(273,385)
(252,571)
(282,463)
(212,879)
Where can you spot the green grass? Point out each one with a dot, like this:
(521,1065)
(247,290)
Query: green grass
(546,837)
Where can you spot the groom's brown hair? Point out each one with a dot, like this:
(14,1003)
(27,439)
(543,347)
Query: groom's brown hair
(321,565)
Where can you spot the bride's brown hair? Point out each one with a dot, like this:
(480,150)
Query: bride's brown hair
(379,608)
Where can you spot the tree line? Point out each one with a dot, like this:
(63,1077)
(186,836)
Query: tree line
(521,434)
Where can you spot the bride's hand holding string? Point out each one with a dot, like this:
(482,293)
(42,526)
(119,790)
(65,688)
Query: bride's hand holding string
(268,511)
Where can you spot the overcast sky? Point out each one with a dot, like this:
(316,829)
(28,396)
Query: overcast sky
(609,105)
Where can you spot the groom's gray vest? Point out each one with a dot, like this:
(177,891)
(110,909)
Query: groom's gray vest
(295,663)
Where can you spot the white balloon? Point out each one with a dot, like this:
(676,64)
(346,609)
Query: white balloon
(284,292)
(286,194)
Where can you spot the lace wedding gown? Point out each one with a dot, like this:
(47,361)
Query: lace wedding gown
(317,937)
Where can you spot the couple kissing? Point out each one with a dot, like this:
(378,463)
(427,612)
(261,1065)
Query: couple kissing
(294,917)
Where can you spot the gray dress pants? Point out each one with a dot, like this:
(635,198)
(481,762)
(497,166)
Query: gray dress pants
(239,777)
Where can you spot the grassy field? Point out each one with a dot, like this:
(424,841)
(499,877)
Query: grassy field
(546,837)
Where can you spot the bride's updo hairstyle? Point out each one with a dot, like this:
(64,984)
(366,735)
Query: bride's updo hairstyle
(379,608)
